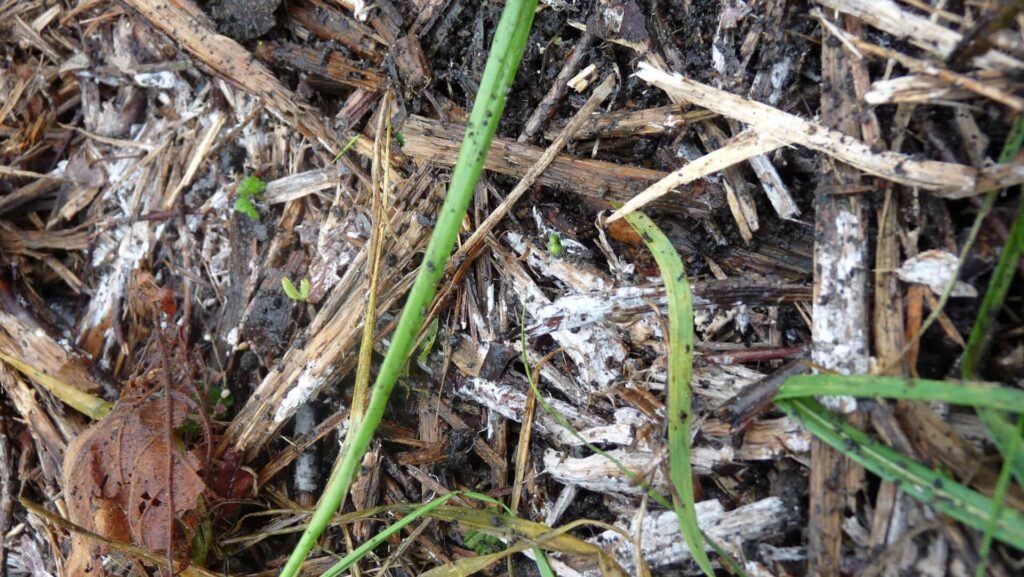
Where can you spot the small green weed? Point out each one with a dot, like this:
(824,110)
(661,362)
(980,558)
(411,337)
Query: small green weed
(482,543)
(248,190)
(296,294)
(554,244)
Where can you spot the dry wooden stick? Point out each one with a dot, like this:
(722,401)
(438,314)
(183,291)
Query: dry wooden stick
(888,312)
(771,183)
(954,79)
(331,24)
(298,185)
(919,89)
(438,143)
(199,154)
(945,179)
(634,123)
(283,459)
(743,147)
(332,66)
(922,32)
(839,315)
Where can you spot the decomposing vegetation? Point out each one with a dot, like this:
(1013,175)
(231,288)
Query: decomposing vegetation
(568,287)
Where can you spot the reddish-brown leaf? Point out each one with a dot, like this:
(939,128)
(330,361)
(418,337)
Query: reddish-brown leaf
(115,482)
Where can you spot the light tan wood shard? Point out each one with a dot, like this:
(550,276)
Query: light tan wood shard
(744,146)
(634,123)
(943,178)
(581,81)
(922,32)
(914,88)
(296,186)
(859,47)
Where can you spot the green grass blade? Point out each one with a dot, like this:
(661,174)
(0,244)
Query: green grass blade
(1007,437)
(1002,277)
(995,296)
(680,373)
(361,551)
(1000,494)
(942,493)
(955,393)
(543,566)
(502,63)
(1004,435)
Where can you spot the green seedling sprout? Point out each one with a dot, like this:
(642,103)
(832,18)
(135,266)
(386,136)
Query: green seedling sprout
(554,244)
(296,294)
(248,190)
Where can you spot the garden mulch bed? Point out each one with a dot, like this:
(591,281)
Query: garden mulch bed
(167,165)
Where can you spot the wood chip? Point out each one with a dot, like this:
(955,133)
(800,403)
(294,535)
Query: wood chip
(662,547)
(296,186)
(945,179)
(435,142)
(922,32)
(635,123)
(581,81)
(743,147)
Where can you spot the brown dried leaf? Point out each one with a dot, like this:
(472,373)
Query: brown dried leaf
(115,482)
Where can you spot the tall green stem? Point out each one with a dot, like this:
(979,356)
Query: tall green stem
(502,63)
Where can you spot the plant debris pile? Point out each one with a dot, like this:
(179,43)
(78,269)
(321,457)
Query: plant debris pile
(192,194)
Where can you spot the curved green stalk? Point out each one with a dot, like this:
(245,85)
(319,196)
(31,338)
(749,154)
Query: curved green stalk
(361,551)
(502,63)
(680,374)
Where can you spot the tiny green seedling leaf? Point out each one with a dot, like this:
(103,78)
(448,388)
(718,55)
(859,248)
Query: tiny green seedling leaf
(428,343)
(482,543)
(296,294)
(246,207)
(250,188)
(554,244)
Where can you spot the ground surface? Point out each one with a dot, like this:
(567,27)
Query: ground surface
(144,260)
